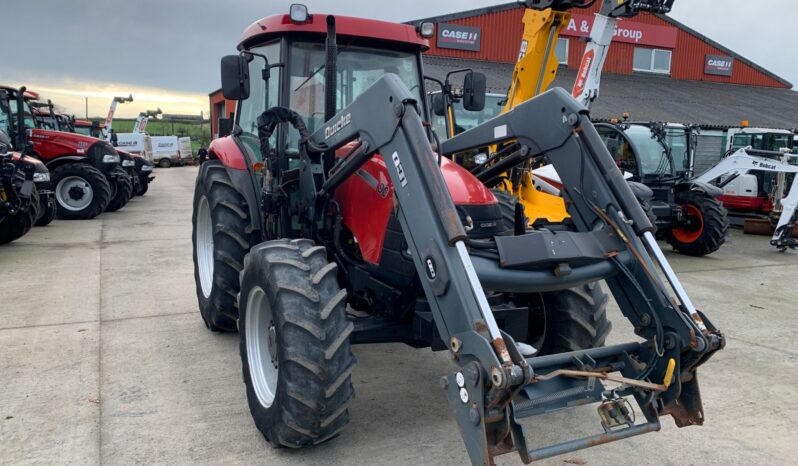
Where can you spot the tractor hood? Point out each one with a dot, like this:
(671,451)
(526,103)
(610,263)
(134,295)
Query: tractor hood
(464,187)
(68,143)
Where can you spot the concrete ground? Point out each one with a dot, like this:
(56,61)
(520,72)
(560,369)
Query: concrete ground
(104,359)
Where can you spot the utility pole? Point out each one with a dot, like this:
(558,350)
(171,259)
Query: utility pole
(87,108)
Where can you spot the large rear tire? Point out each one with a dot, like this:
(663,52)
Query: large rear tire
(122,190)
(222,235)
(81,191)
(295,348)
(708,228)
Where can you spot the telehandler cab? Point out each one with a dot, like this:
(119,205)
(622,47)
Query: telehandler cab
(328,197)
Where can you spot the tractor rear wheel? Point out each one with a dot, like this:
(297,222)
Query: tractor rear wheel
(81,191)
(222,235)
(295,348)
(706,229)
(121,190)
(13,227)
(507,203)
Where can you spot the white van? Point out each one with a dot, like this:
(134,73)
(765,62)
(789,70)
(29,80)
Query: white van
(135,143)
(165,151)
(184,148)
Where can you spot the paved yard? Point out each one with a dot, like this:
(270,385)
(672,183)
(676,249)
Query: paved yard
(104,359)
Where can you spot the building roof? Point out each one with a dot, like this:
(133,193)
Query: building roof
(657,98)
(668,19)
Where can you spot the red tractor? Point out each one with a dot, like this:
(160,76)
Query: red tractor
(141,170)
(325,219)
(86,172)
(19,206)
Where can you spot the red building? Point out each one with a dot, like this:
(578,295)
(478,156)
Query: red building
(645,44)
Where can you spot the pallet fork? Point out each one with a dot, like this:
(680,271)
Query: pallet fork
(495,384)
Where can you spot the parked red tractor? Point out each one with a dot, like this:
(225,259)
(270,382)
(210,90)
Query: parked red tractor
(85,171)
(327,197)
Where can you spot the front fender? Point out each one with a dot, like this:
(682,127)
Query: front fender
(227,151)
(697,186)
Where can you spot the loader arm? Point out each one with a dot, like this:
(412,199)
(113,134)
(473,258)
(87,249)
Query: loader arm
(495,384)
(743,161)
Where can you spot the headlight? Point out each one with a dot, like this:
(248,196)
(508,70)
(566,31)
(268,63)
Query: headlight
(479,159)
(40,177)
(110,158)
(128,163)
(146,168)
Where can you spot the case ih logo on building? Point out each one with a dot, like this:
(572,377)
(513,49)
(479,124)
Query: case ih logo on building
(626,31)
(719,65)
(454,36)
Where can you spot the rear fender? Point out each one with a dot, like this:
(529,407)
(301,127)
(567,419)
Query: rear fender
(686,187)
(55,163)
(227,151)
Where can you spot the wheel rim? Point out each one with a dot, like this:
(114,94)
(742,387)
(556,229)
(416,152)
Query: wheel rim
(74,193)
(205,246)
(261,339)
(690,233)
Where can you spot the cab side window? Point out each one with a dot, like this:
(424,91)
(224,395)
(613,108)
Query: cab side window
(620,150)
(257,102)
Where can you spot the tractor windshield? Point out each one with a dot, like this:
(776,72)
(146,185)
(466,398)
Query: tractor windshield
(465,120)
(653,156)
(358,68)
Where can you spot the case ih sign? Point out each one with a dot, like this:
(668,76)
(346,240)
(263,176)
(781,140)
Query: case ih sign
(626,31)
(454,36)
(719,65)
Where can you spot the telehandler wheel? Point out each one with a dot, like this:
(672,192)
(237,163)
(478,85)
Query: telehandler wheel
(706,230)
(576,319)
(121,191)
(81,191)
(13,227)
(222,235)
(295,348)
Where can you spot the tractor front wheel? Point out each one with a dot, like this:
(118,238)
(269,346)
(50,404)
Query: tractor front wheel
(81,191)
(295,348)
(16,226)
(569,320)
(705,229)
(121,190)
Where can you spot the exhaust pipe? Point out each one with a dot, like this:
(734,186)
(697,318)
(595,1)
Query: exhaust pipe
(22,136)
(331,72)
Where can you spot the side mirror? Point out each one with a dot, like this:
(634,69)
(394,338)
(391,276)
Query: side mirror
(225,127)
(235,77)
(438,104)
(474,90)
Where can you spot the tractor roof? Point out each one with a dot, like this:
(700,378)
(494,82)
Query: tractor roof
(280,25)
(14,90)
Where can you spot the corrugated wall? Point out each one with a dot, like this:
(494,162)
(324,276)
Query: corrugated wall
(501,39)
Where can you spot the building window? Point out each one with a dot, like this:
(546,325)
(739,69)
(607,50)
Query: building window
(652,60)
(561,50)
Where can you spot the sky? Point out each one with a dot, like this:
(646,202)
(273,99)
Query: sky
(166,52)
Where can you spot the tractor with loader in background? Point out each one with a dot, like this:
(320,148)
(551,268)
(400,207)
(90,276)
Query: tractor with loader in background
(85,172)
(327,195)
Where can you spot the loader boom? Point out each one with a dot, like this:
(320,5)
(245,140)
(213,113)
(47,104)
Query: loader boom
(495,383)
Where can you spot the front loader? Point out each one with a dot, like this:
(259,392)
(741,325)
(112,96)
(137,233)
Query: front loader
(329,203)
